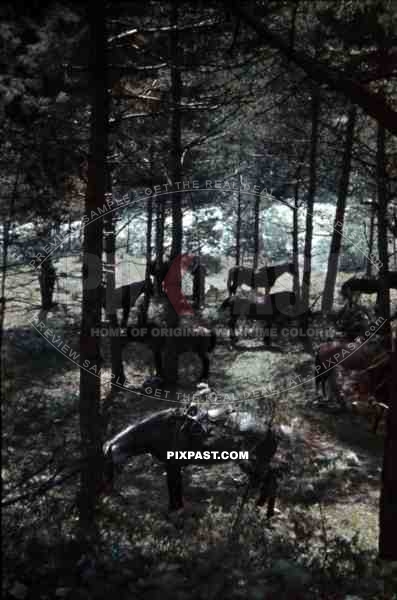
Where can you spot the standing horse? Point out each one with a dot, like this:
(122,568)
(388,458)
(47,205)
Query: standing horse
(199,340)
(353,287)
(277,308)
(370,361)
(264,277)
(125,297)
(202,440)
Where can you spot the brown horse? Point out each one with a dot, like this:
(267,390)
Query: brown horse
(199,340)
(353,287)
(278,308)
(125,297)
(371,362)
(262,278)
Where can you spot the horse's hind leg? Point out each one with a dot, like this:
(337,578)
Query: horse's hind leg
(158,363)
(232,327)
(206,366)
(268,491)
(125,302)
(266,333)
(174,483)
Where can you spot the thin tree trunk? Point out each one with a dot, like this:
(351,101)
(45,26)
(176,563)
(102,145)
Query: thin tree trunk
(256,228)
(160,221)
(383,253)
(118,376)
(238,224)
(388,496)
(149,229)
(4,267)
(171,356)
(295,238)
(90,382)
(388,500)
(307,262)
(368,269)
(336,239)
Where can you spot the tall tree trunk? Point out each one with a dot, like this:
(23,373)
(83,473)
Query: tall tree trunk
(388,496)
(149,229)
(388,500)
(256,227)
(368,268)
(90,382)
(4,267)
(383,253)
(238,223)
(116,341)
(307,262)
(159,243)
(295,238)
(336,240)
(171,366)
(160,219)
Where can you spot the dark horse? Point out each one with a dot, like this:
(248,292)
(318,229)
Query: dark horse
(353,287)
(125,297)
(275,309)
(199,340)
(262,278)
(167,432)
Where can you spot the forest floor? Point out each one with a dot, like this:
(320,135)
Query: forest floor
(322,543)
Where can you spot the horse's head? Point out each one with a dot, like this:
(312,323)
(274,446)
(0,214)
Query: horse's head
(111,467)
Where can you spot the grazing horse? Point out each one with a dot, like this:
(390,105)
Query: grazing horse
(280,307)
(353,287)
(199,340)
(262,278)
(204,440)
(352,356)
(125,297)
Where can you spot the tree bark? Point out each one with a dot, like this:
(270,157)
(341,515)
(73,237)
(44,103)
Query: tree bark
(388,496)
(171,356)
(90,382)
(116,342)
(337,232)
(368,267)
(149,229)
(295,238)
(238,224)
(383,253)
(256,228)
(4,267)
(307,263)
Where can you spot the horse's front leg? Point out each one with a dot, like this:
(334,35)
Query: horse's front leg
(174,483)
(268,491)
(232,327)
(158,363)
(266,333)
(125,304)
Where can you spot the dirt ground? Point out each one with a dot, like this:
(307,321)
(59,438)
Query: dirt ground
(321,544)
